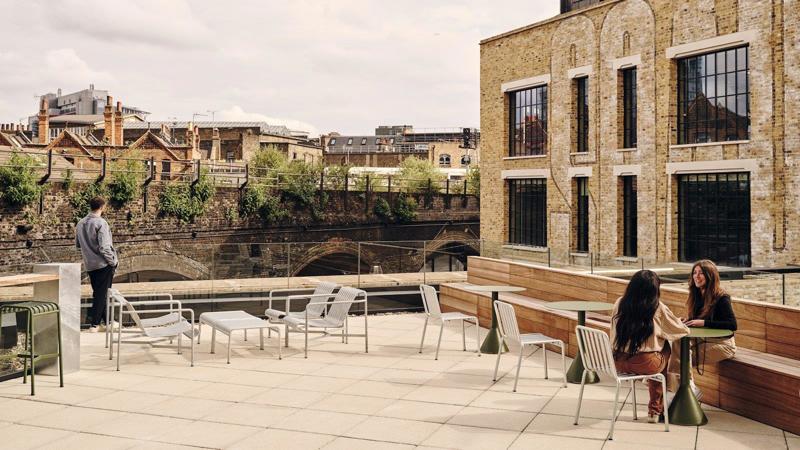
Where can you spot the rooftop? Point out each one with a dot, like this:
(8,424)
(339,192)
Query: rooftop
(391,398)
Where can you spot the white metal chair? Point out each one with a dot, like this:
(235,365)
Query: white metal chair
(334,318)
(598,357)
(510,335)
(323,291)
(151,322)
(167,326)
(433,313)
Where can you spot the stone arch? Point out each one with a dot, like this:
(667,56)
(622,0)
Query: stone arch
(174,263)
(326,249)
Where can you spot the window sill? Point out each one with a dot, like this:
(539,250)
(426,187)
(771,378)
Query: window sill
(511,158)
(631,149)
(628,259)
(709,144)
(526,248)
(579,254)
(581,154)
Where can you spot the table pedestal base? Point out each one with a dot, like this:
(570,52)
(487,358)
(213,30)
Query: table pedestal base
(492,342)
(575,372)
(685,409)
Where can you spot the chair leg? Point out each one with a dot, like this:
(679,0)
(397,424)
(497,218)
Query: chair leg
(439,342)
(614,413)
(229,346)
(199,331)
(519,363)
(477,338)
(60,353)
(633,392)
(664,402)
(33,347)
(213,339)
(286,331)
(544,350)
(278,331)
(422,341)
(564,363)
(463,335)
(580,396)
(497,362)
(305,350)
(191,341)
(261,337)
(245,335)
(29,348)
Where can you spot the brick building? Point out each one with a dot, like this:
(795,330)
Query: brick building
(658,130)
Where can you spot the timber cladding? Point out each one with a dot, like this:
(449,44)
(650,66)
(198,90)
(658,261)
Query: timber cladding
(761,382)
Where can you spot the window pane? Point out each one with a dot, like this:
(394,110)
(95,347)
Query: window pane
(528,122)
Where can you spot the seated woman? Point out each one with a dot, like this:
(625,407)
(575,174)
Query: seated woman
(641,329)
(708,306)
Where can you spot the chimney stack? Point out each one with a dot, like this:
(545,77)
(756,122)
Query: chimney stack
(109,134)
(216,145)
(44,122)
(118,125)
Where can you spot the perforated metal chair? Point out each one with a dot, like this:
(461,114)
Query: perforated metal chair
(433,313)
(510,335)
(595,348)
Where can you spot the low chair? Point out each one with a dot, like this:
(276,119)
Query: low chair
(510,335)
(333,318)
(165,327)
(433,313)
(595,348)
(323,291)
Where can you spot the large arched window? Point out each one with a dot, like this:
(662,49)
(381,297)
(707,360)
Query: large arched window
(444,159)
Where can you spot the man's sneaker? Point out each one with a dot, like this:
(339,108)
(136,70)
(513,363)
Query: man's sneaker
(697,392)
(101,328)
(93,329)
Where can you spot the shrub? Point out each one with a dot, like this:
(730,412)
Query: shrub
(474,180)
(271,210)
(404,208)
(126,180)
(336,175)
(252,200)
(415,173)
(382,209)
(184,201)
(267,163)
(68,180)
(19,185)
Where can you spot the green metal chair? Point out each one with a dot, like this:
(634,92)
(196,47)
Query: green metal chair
(33,311)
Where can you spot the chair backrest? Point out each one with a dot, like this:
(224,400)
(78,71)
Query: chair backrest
(338,311)
(325,287)
(123,302)
(430,300)
(507,323)
(595,348)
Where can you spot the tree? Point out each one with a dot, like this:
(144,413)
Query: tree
(474,180)
(415,173)
(19,185)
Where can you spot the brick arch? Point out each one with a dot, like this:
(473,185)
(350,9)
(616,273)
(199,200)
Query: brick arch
(324,249)
(163,262)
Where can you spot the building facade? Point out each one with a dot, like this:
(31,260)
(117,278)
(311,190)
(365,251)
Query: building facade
(630,130)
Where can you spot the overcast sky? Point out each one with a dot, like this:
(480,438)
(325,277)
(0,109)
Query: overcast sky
(316,65)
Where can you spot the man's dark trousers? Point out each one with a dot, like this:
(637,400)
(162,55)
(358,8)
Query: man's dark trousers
(101,283)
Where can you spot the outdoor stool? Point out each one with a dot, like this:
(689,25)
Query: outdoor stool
(34,311)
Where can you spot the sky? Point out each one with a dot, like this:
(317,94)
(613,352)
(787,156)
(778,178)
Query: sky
(312,65)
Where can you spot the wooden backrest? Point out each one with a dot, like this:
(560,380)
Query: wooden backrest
(763,327)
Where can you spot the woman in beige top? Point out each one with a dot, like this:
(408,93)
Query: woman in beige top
(641,329)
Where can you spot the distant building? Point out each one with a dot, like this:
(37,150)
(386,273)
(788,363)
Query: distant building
(390,145)
(84,107)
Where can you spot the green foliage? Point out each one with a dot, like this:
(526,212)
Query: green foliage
(79,200)
(404,208)
(336,176)
(301,182)
(415,173)
(19,185)
(267,163)
(360,182)
(232,214)
(272,211)
(69,179)
(257,200)
(382,209)
(126,180)
(184,201)
(474,180)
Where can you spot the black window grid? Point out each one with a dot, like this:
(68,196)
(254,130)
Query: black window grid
(714,218)
(629,105)
(582,214)
(527,122)
(714,97)
(582,114)
(629,216)
(527,212)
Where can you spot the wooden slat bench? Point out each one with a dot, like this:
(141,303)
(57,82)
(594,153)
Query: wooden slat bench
(762,382)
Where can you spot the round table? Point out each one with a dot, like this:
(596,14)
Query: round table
(685,409)
(492,342)
(575,372)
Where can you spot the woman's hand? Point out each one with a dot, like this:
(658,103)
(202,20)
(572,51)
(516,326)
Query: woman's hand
(695,323)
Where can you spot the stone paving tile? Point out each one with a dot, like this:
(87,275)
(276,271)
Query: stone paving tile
(492,418)
(393,430)
(729,440)
(343,443)
(466,438)
(422,411)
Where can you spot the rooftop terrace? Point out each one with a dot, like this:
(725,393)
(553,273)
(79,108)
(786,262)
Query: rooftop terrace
(391,398)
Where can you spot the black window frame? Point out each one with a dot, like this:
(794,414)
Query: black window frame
(714,214)
(527,211)
(723,78)
(629,107)
(524,138)
(582,214)
(581,114)
(630,233)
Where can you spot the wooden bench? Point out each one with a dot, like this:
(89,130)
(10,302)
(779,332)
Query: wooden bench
(762,382)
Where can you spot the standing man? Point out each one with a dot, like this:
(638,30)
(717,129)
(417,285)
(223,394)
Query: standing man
(93,238)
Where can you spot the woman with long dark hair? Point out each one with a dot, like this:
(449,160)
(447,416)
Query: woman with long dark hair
(708,305)
(641,329)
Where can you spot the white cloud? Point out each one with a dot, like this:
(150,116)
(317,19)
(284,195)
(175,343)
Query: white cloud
(236,113)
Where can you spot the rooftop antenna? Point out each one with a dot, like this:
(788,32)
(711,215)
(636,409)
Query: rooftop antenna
(212,113)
